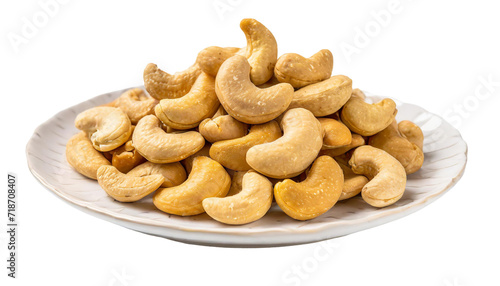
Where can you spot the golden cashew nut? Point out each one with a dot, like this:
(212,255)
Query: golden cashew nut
(336,133)
(82,156)
(107,127)
(125,157)
(387,176)
(243,100)
(299,71)
(314,196)
(162,85)
(292,153)
(412,132)
(222,127)
(248,205)
(188,162)
(357,140)
(368,119)
(353,183)
(210,59)
(356,92)
(157,146)
(126,188)
(173,173)
(188,111)
(207,179)
(136,104)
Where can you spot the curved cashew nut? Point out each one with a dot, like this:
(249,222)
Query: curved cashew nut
(394,143)
(82,156)
(261,50)
(249,205)
(232,153)
(157,146)
(336,133)
(353,183)
(412,132)
(314,196)
(243,100)
(108,127)
(173,173)
(210,59)
(325,97)
(299,71)
(136,104)
(162,85)
(387,176)
(126,188)
(188,111)
(368,119)
(292,153)
(222,127)
(188,162)
(207,179)
(357,140)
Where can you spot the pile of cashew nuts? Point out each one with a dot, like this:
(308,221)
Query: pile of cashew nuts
(241,128)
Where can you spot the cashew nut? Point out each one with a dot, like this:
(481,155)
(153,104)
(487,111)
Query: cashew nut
(188,162)
(207,179)
(368,119)
(292,153)
(82,156)
(162,85)
(232,153)
(124,187)
(358,93)
(211,58)
(236,182)
(136,104)
(299,71)
(412,132)
(314,196)
(243,100)
(353,183)
(188,111)
(394,143)
(157,146)
(357,140)
(387,176)
(222,127)
(336,133)
(108,127)
(325,97)
(173,173)
(125,157)
(261,50)
(249,205)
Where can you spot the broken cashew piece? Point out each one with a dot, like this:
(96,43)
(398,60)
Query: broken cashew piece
(387,176)
(232,153)
(157,146)
(292,153)
(125,157)
(173,173)
(162,85)
(136,104)
(126,188)
(107,127)
(314,196)
(261,50)
(336,133)
(188,111)
(325,97)
(243,100)
(207,179)
(299,71)
(82,156)
(210,59)
(248,205)
(368,119)
(397,145)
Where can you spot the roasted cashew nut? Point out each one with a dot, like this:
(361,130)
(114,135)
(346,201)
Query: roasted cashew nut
(173,173)
(126,188)
(325,97)
(393,142)
(292,153)
(357,140)
(353,183)
(387,176)
(188,162)
(299,71)
(82,156)
(207,179)
(107,127)
(356,92)
(162,85)
(261,50)
(157,146)
(125,157)
(222,127)
(314,196)
(136,104)
(210,59)
(368,119)
(243,100)
(232,153)
(188,111)
(336,133)
(412,132)
(248,205)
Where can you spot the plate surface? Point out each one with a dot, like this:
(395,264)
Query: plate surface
(445,160)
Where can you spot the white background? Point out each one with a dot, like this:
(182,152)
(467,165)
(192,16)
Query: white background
(430,53)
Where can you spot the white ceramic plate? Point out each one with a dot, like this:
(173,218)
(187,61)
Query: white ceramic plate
(445,160)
